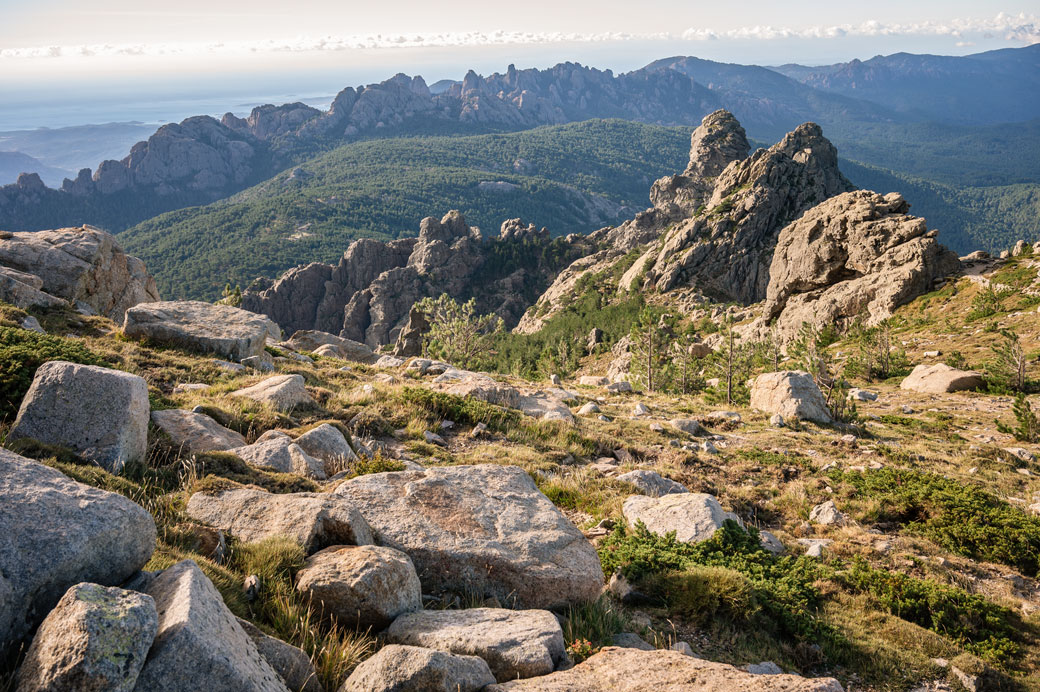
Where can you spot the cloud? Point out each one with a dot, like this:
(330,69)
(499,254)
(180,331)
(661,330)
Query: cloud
(1020,28)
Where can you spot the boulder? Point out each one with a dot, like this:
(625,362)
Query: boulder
(615,669)
(792,394)
(193,432)
(688,426)
(338,347)
(78,265)
(282,392)
(200,645)
(593,381)
(316,520)
(694,517)
(397,668)
(361,586)
(96,638)
(281,454)
(859,253)
(652,483)
(545,404)
(827,514)
(327,443)
(25,290)
(514,643)
(55,533)
(291,663)
(227,331)
(482,529)
(100,414)
(940,379)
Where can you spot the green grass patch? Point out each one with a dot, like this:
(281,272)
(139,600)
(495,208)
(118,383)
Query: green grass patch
(22,352)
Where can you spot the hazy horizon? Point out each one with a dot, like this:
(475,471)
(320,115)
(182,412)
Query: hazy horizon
(62,65)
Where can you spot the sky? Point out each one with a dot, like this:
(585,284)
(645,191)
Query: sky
(233,53)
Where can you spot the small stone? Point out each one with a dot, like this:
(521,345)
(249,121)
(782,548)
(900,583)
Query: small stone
(434,439)
(708,448)
(622,387)
(687,425)
(283,392)
(652,483)
(555,380)
(640,409)
(764,668)
(776,420)
(32,324)
(682,647)
(588,409)
(827,514)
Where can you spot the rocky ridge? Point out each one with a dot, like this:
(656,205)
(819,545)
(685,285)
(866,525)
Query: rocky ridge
(368,295)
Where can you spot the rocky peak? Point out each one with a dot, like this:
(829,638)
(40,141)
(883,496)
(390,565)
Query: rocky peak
(718,141)
(514,229)
(857,255)
(725,248)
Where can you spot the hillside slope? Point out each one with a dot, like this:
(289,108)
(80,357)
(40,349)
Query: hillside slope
(570,178)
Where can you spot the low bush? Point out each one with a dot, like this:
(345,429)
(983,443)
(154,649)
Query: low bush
(960,517)
(22,352)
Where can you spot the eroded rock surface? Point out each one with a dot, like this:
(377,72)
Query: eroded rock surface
(484,529)
(203,327)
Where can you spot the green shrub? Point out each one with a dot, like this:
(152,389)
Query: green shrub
(969,620)
(22,352)
(961,517)
(781,595)
(1027,425)
(700,593)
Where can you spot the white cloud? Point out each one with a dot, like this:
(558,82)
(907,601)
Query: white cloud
(1020,28)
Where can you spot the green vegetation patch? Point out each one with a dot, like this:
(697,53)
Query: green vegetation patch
(22,352)
(960,517)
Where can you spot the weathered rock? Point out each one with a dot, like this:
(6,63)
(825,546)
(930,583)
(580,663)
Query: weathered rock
(631,670)
(827,513)
(631,640)
(588,409)
(99,413)
(771,542)
(25,290)
(193,432)
(544,404)
(792,394)
(652,483)
(397,668)
(410,339)
(941,378)
(316,520)
(54,533)
(694,517)
(198,326)
(78,265)
(361,586)
(200,645)
(291,663)
(338,347)
(96,638)
(593,381)
(483,529)
(859,253)
(514,643)
(688,426)
(856,394)
(283,455)
(283,392)
(327,442)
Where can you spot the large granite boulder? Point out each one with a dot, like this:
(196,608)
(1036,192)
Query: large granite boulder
(99,413)
(791,393)
(204,327)
(83,266)
(327,443)
(514,643)
(96,638)
(55,533)
(315,520)
(279,453)
(196,432)
(857,254)
(694,517)
(485,529)
(200,645)
(346,349)
(397,668)
(940,379)
(282,392)
(25,290)
(361,586)
(616,669)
